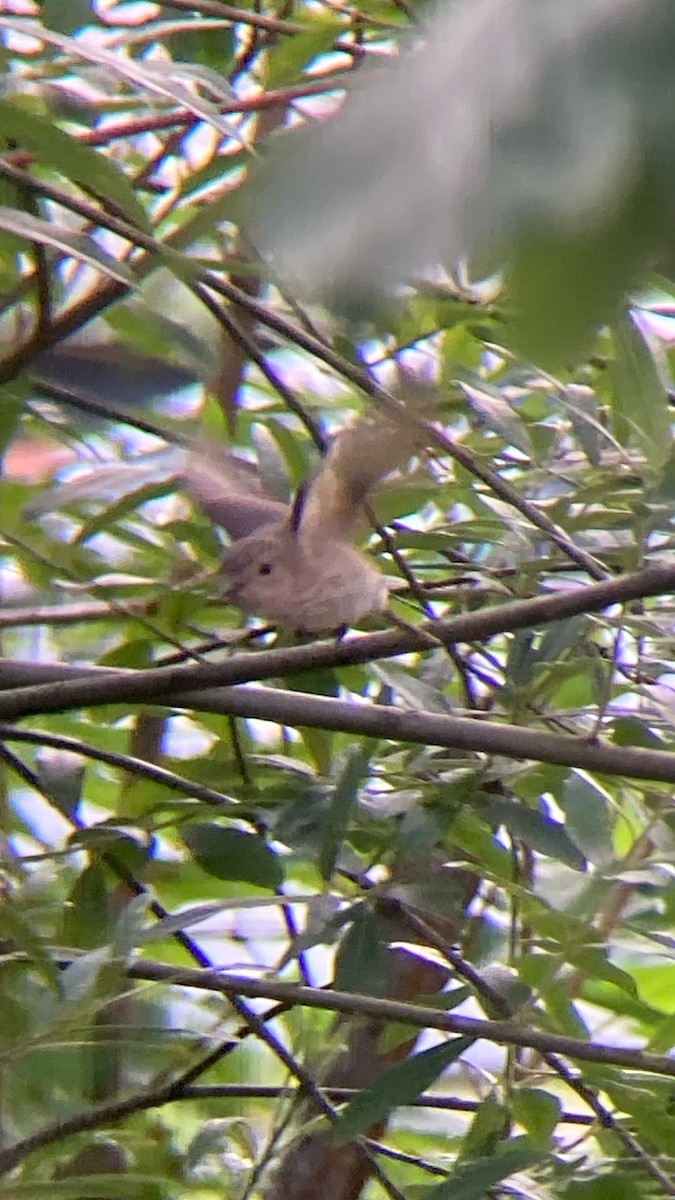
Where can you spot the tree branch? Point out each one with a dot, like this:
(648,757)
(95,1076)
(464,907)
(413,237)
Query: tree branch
(425,728)
(122,762)
(102,1116)
(77,687)
(511,1033)
(245,1091)
(501,1032)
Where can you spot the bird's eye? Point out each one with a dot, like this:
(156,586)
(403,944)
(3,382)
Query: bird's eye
(265,569)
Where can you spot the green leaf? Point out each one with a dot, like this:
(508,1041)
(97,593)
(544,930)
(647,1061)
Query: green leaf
(361,963)
(587,817)
(345,795)
(606,1186)
(593,961)
(136,652)
(559,638)
(487,1129)
(66,16)
(399,1085)
(114,842)
(535,829)
(567,283)
(86,917)
(656,985)
(319,742)
(95,173)
(412,691)
(12,400)
(477,840)
(640,405)
(233,854)
(83,1187)
(17,929)
(538,1112)
(472,1181)
(651,1107)
(296,52)
(521,659)
(630,731)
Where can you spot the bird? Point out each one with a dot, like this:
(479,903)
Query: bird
(295,565)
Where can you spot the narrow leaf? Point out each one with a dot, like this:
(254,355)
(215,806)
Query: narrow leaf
(345,796)
(361,963)
(640,402)
(78,245)
(95,173)
(471,1181)
(132,72)
(399,1085)
(587,817)
(233,854)
(536,830)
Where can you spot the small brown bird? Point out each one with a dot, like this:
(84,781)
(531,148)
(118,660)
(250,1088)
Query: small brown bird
(295,565)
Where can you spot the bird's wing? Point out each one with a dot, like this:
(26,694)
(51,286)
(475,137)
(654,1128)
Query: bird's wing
(358,459)
(228,489)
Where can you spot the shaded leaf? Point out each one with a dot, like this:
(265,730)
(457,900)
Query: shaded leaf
(18,930)
(86,916)
(233,854)
(486,1131)
(398,1085)
(345,795)
(361,963)
(640,407)
(471,1181)
(412,691)
(83,1187)
(535,829)
(587,817)
(538,1112)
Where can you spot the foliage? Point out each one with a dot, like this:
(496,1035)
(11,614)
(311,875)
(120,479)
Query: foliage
(531,128)
(470,831)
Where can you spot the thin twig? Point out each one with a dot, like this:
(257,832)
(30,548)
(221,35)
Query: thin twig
(252,1091)
(122,762)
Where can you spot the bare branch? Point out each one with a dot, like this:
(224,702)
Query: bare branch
(72,687)
(512,1033)
(123,762)
(425,728)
